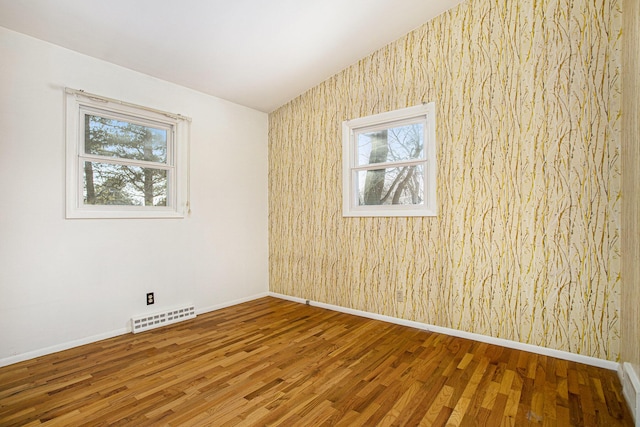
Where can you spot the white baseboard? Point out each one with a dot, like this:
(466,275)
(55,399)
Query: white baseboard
(94,338)
(433,328)
(231,303)
(60,347)
(565,355)
(630,380)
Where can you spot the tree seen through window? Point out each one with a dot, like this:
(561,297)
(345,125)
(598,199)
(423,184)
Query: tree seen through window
(397,183)
(124,174)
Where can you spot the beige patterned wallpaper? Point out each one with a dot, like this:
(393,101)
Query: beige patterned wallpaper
(526,245)
(630,349)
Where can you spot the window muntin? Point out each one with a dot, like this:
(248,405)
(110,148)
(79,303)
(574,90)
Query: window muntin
(389,164)
(123,160)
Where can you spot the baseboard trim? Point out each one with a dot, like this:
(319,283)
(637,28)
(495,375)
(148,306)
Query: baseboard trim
(60,347)
(231,303)
(94,338)
(565,355)
(630,389)
(433,328)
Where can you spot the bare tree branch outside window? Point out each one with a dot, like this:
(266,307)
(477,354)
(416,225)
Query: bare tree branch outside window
(394,184)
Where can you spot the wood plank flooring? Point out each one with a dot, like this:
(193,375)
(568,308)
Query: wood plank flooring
(275,362)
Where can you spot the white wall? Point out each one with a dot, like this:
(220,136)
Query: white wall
(66,282)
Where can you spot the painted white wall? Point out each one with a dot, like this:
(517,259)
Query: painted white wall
(66,282)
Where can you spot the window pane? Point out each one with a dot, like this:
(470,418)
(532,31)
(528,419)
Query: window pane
(392,186)
(118,138)
(394,144)
(109,184)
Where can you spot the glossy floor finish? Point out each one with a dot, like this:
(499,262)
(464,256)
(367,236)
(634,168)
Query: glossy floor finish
(275,362)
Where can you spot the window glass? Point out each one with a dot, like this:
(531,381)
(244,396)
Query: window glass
(392,144)
(389,163)
(113,137)
(391,186)
(124,185)
(124,160)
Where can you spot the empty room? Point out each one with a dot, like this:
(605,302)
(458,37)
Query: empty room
(320,213)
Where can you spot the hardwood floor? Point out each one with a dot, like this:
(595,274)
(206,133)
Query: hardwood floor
(275,362)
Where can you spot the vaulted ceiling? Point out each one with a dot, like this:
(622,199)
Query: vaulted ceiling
(258,53)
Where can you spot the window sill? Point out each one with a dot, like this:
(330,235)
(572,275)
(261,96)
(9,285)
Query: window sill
(132,213)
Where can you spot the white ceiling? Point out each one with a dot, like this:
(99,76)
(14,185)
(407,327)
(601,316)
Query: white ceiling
(258,53)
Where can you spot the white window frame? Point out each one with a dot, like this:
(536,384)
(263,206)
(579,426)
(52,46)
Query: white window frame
(350,168)
(177,165)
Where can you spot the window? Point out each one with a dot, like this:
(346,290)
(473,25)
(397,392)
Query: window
(123,160)
(389,163)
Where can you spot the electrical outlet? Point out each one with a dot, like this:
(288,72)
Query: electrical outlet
(400,295)
(150,298)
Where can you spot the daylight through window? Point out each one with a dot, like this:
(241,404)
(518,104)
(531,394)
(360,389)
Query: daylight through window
(389,164)
(123,160)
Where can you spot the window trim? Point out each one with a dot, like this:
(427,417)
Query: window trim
(350,207)
(77,104)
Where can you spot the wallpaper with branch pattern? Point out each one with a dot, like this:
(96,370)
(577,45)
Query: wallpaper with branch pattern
(526,243)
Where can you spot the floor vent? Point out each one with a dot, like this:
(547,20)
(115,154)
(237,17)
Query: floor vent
(631,390)
(155,320)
